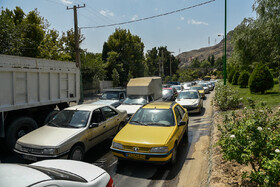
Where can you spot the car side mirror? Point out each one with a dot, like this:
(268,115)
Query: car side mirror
(92,125)
(181,123)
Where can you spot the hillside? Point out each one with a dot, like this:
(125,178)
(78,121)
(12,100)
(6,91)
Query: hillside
(203,53)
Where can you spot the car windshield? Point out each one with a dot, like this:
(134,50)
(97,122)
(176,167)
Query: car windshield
(110,96)
(188,95)
(177,87)
(58,174)
(203,85)
(166,92)
(196,88)
(135,100)
(153,117)
(70,119)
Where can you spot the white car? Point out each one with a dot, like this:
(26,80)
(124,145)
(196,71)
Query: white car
(187,86)
(56,172)
(113,97)
(205,87)
(133,102)
(179,88)
(71,133)
(191,100)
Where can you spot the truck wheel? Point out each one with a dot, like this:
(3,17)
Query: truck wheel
(19,128)
(50,116)
(76,153)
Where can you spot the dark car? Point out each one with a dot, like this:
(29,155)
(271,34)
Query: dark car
(169,94)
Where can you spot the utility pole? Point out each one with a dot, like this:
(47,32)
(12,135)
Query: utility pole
(77,47)
(162,65)
(225,58)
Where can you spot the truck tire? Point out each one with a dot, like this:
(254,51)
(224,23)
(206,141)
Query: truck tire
(19,128)
(50,116)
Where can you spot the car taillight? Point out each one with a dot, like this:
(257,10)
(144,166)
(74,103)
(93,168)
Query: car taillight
(110,183)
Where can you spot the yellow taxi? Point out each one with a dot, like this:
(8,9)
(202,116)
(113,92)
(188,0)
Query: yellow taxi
(153,133)
(200,90)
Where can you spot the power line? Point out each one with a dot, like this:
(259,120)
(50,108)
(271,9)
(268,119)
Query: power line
(147,18)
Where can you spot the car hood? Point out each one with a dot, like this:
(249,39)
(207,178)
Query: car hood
(48,136)
(106,102)
(148,135)
(187,101)
(87,171)
(130,109)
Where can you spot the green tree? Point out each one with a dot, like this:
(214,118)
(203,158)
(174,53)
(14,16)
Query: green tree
(116,78)
(92,67)
(33,34)
(129,54)
(152,61)
(243,79)
(235,78)
(231,74)
(195,63)
(261,79)
(219,64)
(212,60)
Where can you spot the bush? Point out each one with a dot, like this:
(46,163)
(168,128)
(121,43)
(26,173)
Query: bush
(261,79)
(276,81)
(253,137)
(230,75)
(243,79)
(235,78)
(225,97)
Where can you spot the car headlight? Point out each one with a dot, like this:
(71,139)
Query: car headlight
(117,145)
(50,151)
(18,147)
(159,149)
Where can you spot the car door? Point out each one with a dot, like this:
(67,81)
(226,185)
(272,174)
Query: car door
(181,115)
(112,121)
(96,128)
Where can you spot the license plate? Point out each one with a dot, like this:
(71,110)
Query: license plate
(28,157)
(136,156)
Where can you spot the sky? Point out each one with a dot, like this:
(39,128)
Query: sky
(182,31)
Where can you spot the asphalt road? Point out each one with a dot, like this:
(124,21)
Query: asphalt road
(191,168)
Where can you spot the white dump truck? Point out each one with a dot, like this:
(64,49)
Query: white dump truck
(30,91)
(141,91)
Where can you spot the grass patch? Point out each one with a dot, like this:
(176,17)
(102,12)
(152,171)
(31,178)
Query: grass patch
(271,97)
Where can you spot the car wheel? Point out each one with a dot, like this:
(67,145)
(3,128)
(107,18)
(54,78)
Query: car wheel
(76,153)
(19,128)
(174,155)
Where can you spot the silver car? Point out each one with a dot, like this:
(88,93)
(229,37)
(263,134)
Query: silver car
(72,132)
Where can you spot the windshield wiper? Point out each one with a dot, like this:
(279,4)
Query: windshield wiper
(138,122)
(159,124)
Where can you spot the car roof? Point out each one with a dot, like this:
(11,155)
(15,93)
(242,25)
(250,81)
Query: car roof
(189,91)
(87,107)
(20,175)
(159,105)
